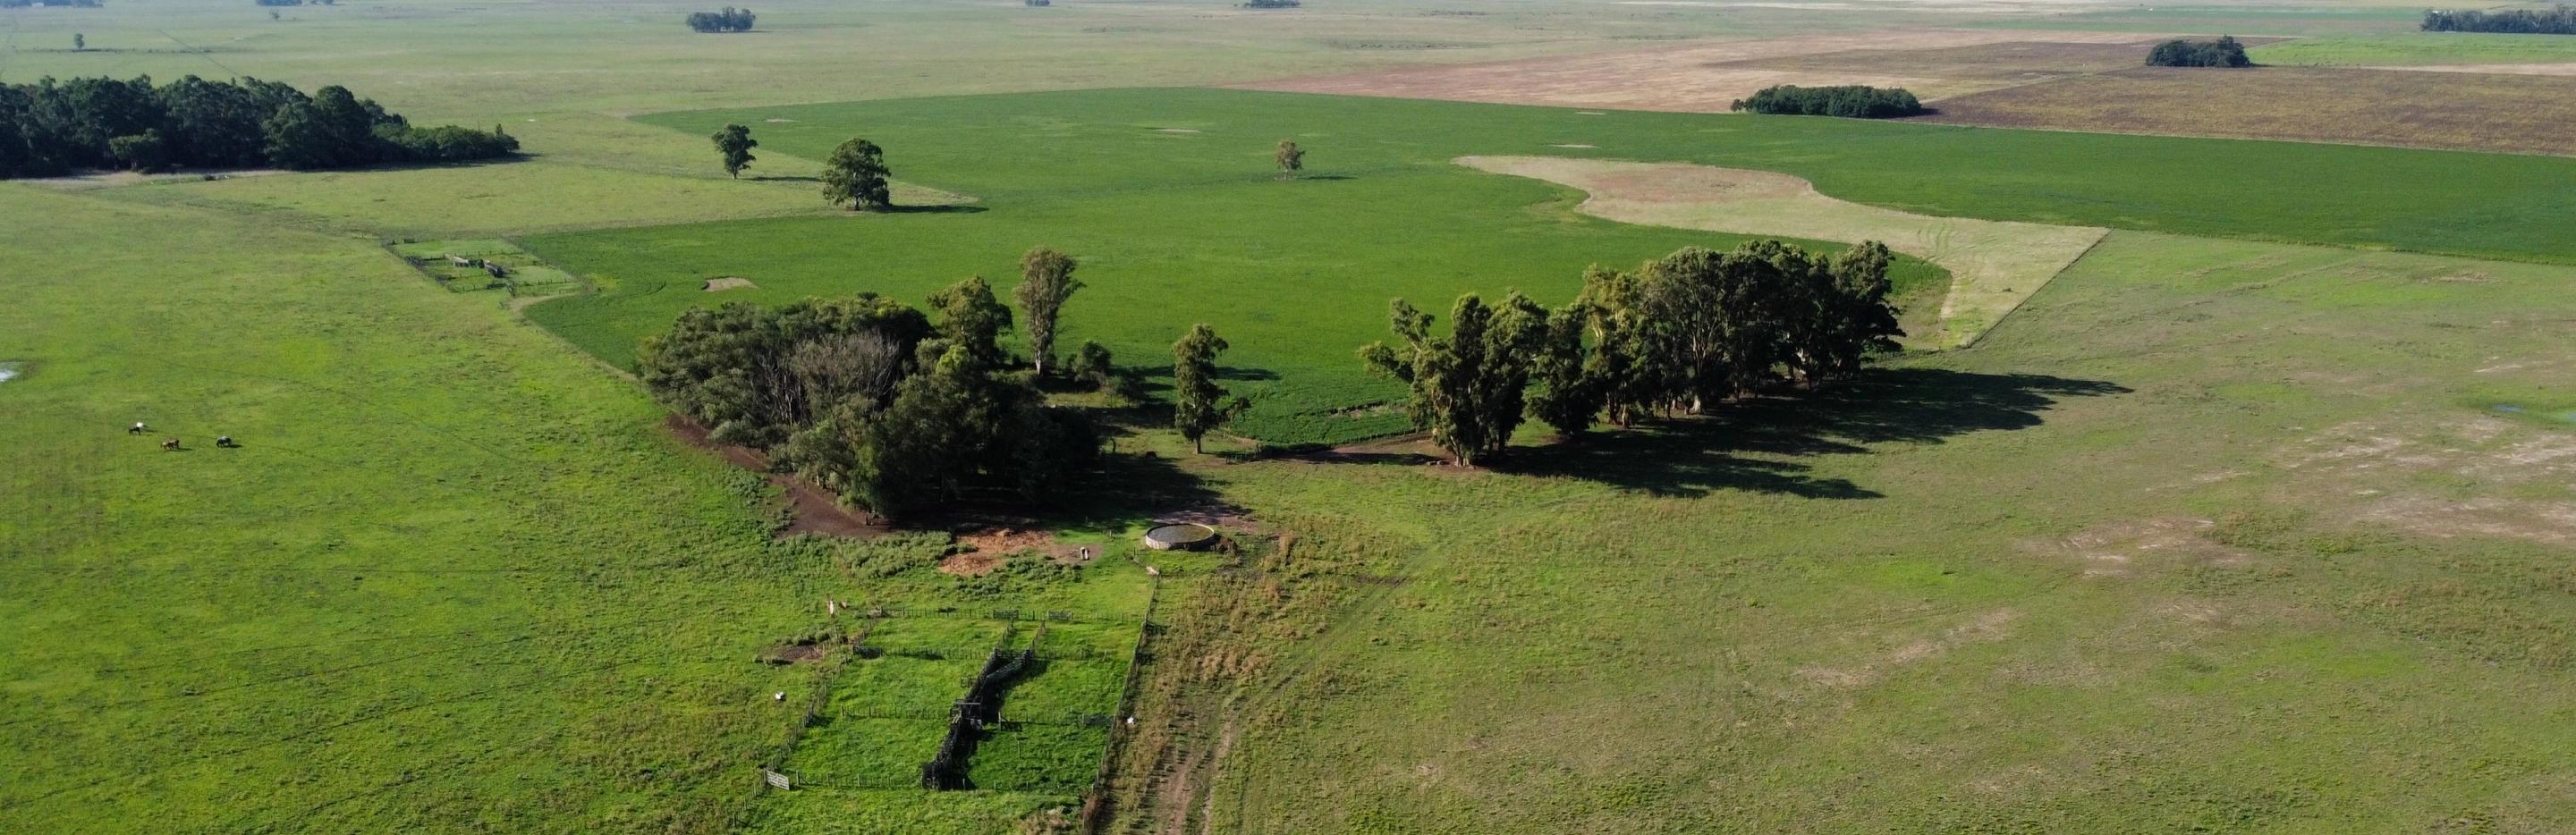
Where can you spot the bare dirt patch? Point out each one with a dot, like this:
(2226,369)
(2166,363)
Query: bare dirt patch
(2121,549)
(1175,130)
(2510,113)
(811,509)
(731,282)
(1699,77)
(972,563)
(795,653)
(1984,628)
(988,548)
(1994,265)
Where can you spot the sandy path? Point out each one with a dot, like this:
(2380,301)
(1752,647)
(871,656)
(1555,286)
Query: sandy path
(1677,78)
(1994,265)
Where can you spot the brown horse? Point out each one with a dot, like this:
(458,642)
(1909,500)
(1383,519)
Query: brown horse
(171,445)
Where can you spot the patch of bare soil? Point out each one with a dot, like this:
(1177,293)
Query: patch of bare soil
(731,282)
(972,563)
(1699,77)
(2120,549)
(1985,627)
(811,509)
(108,179)
(795,653)
(2489,69)
(2374,470)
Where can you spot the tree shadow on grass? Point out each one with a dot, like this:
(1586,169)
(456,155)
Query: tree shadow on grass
(1698,456)
(757,178)
(939,209)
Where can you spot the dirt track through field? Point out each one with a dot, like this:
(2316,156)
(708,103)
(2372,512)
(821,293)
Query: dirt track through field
(1701,77)
(1994,265)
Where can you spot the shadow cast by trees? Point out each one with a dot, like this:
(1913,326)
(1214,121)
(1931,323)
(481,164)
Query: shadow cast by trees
(1696,456)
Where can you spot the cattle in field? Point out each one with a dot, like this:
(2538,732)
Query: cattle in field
(171,445)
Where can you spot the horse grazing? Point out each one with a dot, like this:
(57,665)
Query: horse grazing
(171,445)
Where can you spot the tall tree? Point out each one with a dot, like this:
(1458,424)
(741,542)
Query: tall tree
(734,144)
(970,319)
(1467,388)
(1199,404)
(80,42)
(1292,159)
(1046,282)
(1566,399)
(856,175)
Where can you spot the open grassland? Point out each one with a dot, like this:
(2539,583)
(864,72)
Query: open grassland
(1994,265)
(2418,48)
(2511,113)
(2212,536)
(1170,199)
(453,577)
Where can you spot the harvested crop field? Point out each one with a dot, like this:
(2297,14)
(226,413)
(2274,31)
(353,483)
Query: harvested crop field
(2508,113)
(2563,69)
(1994,265)
(1707,77)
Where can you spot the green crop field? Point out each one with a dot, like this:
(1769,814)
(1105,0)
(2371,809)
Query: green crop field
(2253,519)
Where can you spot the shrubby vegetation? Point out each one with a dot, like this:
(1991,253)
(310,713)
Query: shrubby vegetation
(1677,334)
(54,127)
(2557,21)
(871,399)
(2224,52)
(1850,101)
(729,20)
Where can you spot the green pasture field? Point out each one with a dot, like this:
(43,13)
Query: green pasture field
(1170,199)
(2208,536)
(2419,48)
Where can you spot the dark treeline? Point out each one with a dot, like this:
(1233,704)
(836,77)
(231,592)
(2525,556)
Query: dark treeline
(2557,21)
(1675,335)
(1852,101)
(872,399)
(2224,52)
(729,20)
(54,127)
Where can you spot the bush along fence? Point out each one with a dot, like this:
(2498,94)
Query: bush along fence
(982,705)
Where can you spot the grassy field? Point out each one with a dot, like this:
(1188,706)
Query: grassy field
(2525,114)
(1172,192)
(2418,48)
(2212,536)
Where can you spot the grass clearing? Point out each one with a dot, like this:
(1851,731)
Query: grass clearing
(1993,265)
(2045,583)
(2508,113)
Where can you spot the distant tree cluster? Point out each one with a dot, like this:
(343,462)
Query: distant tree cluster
(279,2)
(729,20)
(873,400)
(1677,334)
(51,128)
(2556,21)
(1270,4)
(2224,52)
(1850,101)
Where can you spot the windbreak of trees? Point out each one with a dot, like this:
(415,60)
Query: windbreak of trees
(872,399)
(2556,21)
(1678,334)
(1850,101)
(729,20)
(2224,52)
(52,127)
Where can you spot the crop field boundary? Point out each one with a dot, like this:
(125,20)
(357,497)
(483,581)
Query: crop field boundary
(1994,265)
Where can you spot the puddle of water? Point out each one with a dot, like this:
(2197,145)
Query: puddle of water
(2518,409)
(2508,408)
(8,371)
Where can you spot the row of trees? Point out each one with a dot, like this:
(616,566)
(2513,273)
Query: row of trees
(54,127)
(1849,101)
(2224,52)
(1677,334)
(729,20)
(2556,21)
